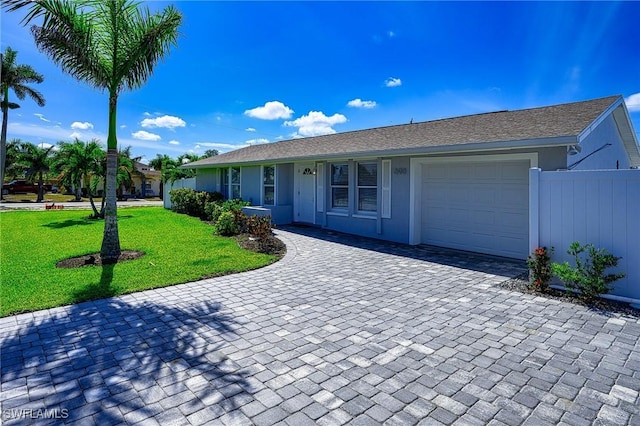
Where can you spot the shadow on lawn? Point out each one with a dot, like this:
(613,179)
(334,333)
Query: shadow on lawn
(100,290)
(68,223)
(123,360)
(78,222)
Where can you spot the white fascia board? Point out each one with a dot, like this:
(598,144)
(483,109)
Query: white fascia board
(599,119)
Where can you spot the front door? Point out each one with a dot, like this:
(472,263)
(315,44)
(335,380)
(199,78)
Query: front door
(305,193)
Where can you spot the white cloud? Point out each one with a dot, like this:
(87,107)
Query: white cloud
(45,145)
(166,121)
(41,117)
(123,126)
(359,103)
(393,82)
(174,142)
(145,136)
(146,114)
(391,34)
(75,135)
(270,111)
(633,102)
(77,125)
(250,129)
(315,124)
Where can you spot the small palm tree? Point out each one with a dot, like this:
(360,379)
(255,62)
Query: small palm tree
(13,168)
(76,161)
(112,45)
(37,161)
(15,77)
(161,163)
(126,170)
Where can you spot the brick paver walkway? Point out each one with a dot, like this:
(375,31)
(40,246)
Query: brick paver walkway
(343,330)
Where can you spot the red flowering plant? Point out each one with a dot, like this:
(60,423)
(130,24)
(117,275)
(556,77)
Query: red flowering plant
(539,263)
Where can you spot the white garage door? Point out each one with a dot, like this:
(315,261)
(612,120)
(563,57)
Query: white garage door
(477,206)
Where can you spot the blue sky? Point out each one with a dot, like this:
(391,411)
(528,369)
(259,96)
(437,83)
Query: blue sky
(246,73)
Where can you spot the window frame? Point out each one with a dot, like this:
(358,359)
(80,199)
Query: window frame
(266,185)
(359,187)
(233,184)
(224,184)
(344,165)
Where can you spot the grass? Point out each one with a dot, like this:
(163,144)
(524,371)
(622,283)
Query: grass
(178,249)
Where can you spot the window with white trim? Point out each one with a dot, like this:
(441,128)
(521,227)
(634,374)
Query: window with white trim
(367,187)
(224,175)
(340,186)
(269,185)
(235,183)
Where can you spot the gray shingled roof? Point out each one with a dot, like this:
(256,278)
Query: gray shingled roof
(535,125)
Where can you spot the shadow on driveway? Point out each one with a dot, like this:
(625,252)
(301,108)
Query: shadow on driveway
(457,258)
(115,358)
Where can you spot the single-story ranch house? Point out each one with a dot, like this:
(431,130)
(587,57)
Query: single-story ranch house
(459,182)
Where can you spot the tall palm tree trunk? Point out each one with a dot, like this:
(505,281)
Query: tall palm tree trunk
(40,188)
(110,250)
(3,140)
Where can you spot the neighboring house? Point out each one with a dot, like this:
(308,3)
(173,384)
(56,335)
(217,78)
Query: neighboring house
(145,181)
(460,182)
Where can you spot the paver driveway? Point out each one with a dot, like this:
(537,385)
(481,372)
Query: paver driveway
(343,330)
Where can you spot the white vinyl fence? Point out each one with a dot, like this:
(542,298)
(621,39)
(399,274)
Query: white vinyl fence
(179,184)
(600,207)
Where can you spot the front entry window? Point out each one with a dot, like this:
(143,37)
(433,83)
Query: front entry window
(269,181)
(367,187)
(340,186)
(235,182)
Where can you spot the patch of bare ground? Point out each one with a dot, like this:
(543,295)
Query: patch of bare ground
(606,307)
(270,245)
(93,259)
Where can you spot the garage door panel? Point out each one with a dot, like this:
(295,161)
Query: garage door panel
(477,206)
(484,172)
(514,171)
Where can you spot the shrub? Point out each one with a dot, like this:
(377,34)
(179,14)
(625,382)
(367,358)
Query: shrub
(240,220)
(213,210)
(259,226)
(216,196)
(539,263)
(588,277)
(189,202)
(235,204)
(226,224)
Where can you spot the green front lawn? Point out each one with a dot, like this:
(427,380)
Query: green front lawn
(178,249)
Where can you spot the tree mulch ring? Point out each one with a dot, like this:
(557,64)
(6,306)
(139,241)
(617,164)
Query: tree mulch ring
(94,259)
(606,307)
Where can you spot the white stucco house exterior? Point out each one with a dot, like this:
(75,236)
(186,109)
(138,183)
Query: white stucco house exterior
(460,182)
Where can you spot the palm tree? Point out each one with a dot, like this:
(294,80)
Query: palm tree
(112,45)
(37,160)
(126,170)
(13,168)
(76,161)
(14,77)
(161,163)
(171,170)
